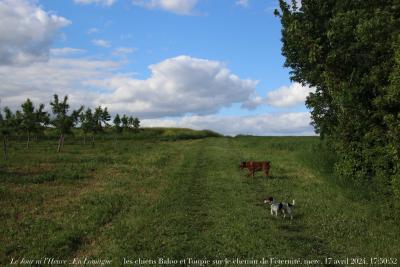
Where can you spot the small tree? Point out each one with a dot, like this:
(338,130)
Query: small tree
(117,124)
(133,123)
(62,121)
(125,123)
(100,119)
(136,124)
(28,119)
(7,127)
(32,121)
(42,120)
(87,123)
(4,133)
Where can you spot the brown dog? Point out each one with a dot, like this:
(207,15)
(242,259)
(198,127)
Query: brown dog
(255,166)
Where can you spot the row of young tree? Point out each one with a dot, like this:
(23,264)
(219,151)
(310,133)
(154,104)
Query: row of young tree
(350,52)
(33,121)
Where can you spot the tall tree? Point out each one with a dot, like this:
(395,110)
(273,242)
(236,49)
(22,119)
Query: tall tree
(346,50)
(63,121)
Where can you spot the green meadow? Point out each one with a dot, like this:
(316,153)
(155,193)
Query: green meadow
(183,197)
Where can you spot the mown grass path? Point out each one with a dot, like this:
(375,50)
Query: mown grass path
(185,199)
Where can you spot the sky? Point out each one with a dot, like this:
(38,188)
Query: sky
(201,64)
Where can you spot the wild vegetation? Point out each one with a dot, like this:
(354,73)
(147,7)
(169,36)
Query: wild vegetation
(176,194)
(349,51)
(148,197)
(31,121)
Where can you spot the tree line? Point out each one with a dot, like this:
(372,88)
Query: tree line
(350,52)
(33,121)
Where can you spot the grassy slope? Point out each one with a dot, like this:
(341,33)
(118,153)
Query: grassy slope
(182,199)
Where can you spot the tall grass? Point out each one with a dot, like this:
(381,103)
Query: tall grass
(151,198)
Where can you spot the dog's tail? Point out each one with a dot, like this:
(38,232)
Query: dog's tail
(290,205)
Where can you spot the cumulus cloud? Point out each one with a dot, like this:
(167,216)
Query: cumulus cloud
(63,76)
(283,97)
(288,96)
(242,3)
(101,2)
(180,7)
(101,43)
(253,102)
(26,32)
(178,86)
(268,124)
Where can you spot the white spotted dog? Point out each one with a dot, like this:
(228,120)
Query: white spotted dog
(285,208)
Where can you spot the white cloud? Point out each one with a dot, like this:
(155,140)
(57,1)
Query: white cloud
(253,102)
(290,96)
(284,97)
(242,3)
(123,51)
(268,124)
(64,76)
(101,2)
(181,7)
(65,51)
(183,86)
(101,43)
(26,32)
(177,86)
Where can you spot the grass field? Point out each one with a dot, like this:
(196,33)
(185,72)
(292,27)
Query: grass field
(148,199)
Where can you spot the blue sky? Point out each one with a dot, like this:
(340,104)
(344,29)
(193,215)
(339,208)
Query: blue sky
(183,63)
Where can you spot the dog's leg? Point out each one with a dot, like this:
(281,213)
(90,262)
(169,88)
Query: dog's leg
(284,214)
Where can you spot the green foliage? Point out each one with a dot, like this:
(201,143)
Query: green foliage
(31,120)
(93,122)
(101,118)
(8,122)
(171,134)
(8,125)
(62,121)
(86,120)
(126,123)
(347,51)
(117,124)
